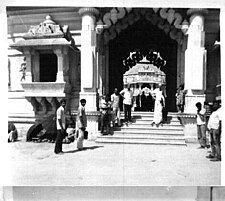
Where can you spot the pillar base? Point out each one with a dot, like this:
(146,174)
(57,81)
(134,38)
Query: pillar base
(59,77)
(28,78)
(93,119)
(190,128)
(191,98)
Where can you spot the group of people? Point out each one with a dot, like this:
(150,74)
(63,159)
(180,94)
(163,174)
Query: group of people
(81,124)
(110,116)
(211,124)
(110,108)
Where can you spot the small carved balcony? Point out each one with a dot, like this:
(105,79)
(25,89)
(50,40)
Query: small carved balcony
(44,96)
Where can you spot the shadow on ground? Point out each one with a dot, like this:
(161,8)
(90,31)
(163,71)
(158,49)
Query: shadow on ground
(84,149)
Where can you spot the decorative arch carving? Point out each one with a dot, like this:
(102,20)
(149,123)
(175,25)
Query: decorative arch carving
(166,19)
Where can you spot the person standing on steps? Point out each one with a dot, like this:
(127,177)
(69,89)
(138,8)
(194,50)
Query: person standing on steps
(81,123)
(105,107)
(180,99)
(115,101)
(158,107)
(127,95)
(61,126)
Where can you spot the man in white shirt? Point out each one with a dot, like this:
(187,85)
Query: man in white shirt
(214,126)
(201,125)
(61,126)
(127,95)
(115,101)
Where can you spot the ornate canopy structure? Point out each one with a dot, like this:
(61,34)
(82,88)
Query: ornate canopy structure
(144,73)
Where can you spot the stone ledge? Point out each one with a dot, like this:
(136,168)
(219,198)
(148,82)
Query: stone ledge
(43,89)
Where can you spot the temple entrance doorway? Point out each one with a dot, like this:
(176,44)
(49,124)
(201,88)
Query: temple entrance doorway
(145,36)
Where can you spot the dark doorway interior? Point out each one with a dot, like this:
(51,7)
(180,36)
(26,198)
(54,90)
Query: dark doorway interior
(48,67)
(143,35)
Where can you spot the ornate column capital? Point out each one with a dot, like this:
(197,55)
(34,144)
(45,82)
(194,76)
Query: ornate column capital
(57,51)
(29,51)
(88,11)
(197,11)
(61,51)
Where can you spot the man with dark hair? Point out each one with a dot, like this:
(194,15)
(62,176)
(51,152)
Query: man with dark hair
(105,107)
(201,125)
(214,126)
(127,95)
(81,123)
(61,126)
(115,101)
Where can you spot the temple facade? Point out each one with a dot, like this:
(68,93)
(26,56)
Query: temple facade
(81,52)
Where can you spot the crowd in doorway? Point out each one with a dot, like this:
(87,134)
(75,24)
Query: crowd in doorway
(209,120)
(143,100)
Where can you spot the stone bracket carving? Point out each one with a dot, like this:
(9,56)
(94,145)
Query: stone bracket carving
(44,105)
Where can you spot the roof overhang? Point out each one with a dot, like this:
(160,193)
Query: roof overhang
(34,43)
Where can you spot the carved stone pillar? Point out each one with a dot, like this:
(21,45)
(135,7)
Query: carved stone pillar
(195,60)
(100,65)
(62,62)
(36,67)
(179,64)
(182,68)
(88,58)
(29,59)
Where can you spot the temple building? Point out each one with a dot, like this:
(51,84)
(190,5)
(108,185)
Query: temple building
(86,52)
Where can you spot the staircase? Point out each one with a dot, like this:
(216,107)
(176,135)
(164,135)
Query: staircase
(141,132)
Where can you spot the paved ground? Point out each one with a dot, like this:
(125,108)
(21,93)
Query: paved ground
(110,164)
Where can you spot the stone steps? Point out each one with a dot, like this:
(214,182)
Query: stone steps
(141,132)
(146,135)
(148,131)
(149,121)
(141,141)
(149,127)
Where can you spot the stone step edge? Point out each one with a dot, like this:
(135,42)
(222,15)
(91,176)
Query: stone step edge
(169,126)
(140,142)
(148,134)
(142,138)
(149,125)
(151,132)
(149,129)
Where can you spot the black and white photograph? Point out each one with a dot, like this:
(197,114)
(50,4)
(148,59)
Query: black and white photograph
(120,99)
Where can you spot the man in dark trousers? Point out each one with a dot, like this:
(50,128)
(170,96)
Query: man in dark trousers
(127,95)
(61,126)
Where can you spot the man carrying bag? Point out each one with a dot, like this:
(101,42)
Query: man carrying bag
(81,124)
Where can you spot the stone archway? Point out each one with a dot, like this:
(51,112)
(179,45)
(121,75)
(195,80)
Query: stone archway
(138,29)
(166,19)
